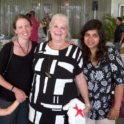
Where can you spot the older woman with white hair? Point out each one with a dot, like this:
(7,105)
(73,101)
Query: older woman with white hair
(56,64)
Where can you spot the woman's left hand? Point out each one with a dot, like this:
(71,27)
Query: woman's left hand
(113,114)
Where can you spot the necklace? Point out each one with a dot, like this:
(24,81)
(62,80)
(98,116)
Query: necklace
(22,47)
(48,73)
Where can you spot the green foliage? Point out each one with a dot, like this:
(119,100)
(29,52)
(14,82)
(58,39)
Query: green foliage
(109,24)
(0,45)
(123,20)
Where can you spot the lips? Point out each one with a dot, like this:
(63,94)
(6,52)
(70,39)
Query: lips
(58,34)
(90,43)
(25,34)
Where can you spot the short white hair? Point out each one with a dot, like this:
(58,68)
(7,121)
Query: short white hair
(66,20)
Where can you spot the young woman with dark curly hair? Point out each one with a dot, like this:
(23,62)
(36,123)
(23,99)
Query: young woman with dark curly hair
(101,66)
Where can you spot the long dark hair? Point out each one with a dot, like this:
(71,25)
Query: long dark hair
(93,25)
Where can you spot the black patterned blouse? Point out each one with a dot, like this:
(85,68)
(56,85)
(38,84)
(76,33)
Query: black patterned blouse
(99,79)
(53,84)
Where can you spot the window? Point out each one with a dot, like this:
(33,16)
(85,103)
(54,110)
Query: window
(121,10)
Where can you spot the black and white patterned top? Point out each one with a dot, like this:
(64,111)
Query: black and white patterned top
(99,79)
(48,95)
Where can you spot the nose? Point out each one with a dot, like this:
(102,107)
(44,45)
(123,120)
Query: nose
(58,29)
(24,28)
(90,38)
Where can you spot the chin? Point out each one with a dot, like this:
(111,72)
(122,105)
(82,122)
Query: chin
(58,40)
(94,47)
(26,38)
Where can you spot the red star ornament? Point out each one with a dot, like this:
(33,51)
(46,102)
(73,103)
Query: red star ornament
(79,111)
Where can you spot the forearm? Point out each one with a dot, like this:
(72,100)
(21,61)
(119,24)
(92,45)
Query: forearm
(84,93)
(118,96)
(122,38)
(82,85)
(10,109)
(5,84)
(19,94)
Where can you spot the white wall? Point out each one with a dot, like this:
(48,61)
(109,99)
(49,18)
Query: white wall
(114,7)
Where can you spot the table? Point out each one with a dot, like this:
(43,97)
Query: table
(3,42)
(108,43)
(76,41)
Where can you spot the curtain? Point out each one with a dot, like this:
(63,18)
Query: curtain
(78,12)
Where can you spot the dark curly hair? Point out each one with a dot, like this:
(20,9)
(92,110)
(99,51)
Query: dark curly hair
(91,25)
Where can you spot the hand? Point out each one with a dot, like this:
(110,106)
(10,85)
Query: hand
(75,111)
(86,110)
(120,44)
(19,94)
(113,114)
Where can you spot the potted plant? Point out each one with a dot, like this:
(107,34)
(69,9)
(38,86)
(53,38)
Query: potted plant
(109,24)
